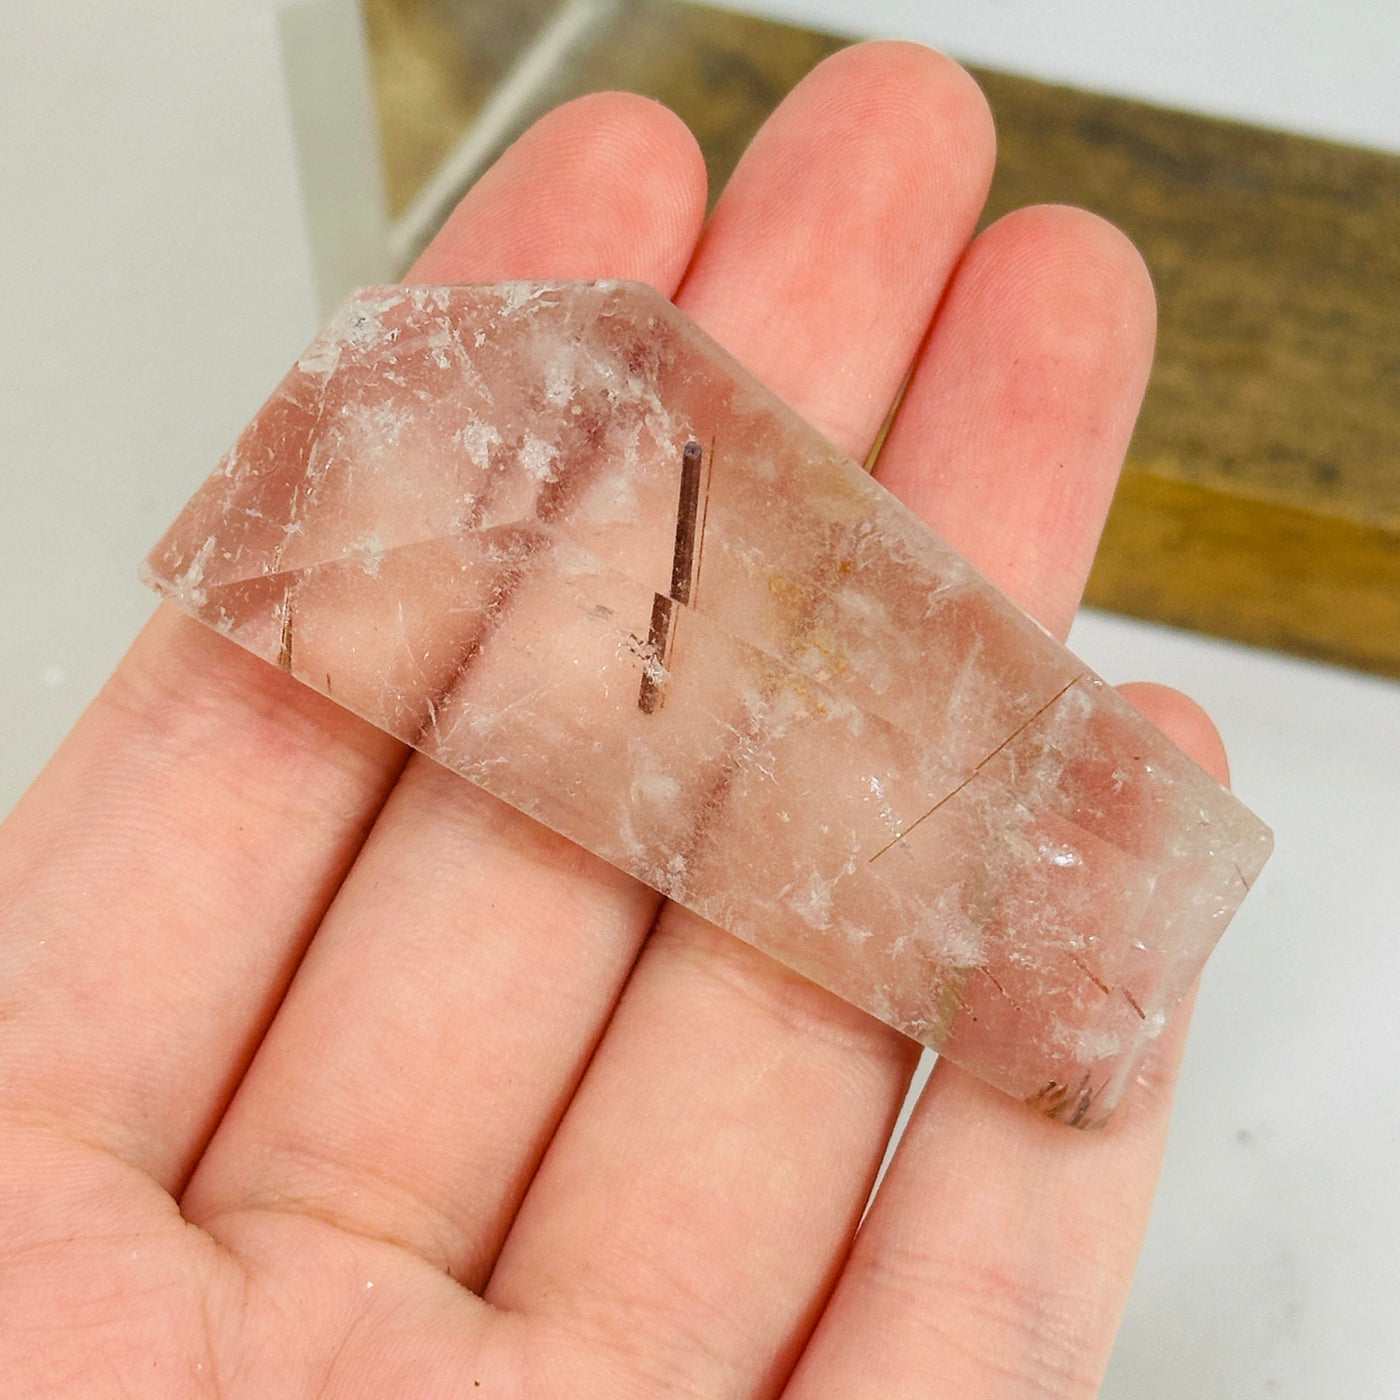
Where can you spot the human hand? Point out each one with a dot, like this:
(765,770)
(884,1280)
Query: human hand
(323,1073)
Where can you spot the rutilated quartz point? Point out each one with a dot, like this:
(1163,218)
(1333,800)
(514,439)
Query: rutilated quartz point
(553,536)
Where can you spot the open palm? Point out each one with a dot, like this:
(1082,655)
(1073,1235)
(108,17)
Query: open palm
(322,1073)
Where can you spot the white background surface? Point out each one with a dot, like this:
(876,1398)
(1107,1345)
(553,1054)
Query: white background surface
(1323,67)
(156,279)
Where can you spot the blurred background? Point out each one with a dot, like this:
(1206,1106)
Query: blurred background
(190,184)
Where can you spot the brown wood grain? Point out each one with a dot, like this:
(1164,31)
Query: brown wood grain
(435,64)
(1261,499)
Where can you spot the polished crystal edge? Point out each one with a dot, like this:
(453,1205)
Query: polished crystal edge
(555,537)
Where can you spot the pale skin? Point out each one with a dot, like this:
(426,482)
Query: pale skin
(323,1074)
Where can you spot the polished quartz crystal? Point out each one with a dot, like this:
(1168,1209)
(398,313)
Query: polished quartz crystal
(554,537)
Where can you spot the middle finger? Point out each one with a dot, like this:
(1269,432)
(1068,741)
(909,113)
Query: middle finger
(694,1205)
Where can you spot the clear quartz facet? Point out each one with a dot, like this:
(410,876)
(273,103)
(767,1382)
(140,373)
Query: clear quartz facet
(553,536)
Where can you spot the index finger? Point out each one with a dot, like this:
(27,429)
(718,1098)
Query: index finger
(163,876)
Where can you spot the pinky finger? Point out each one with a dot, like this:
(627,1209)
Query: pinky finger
(996,1258)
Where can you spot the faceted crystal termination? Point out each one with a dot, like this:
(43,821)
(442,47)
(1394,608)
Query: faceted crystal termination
(556,538)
